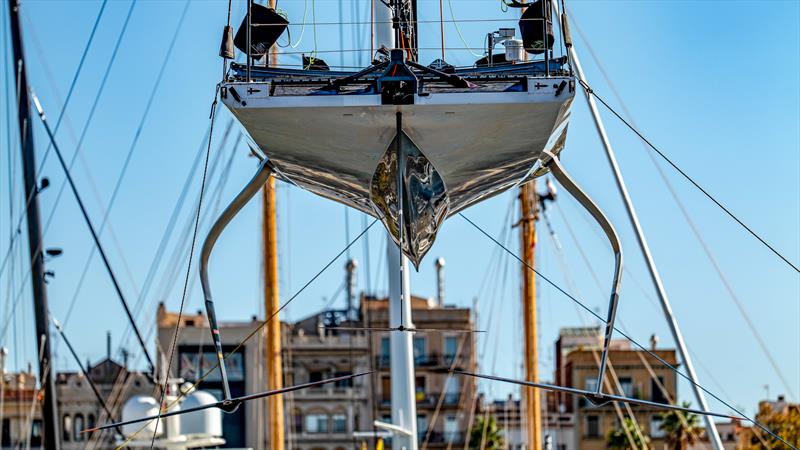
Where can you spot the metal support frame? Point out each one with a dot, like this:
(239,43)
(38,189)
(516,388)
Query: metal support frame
(561,175)
(711,429)
(404,407)
(49,405)
(250,190)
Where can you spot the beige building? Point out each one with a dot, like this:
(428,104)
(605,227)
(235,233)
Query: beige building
(78,407)
(443,402)
(574,423)
(325,417)
(194,358)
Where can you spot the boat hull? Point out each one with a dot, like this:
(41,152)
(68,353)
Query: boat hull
(481,143)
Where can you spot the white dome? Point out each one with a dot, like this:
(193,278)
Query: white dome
(137,407)
(207,422)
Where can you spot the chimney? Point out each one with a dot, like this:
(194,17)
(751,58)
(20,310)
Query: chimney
(351,266)
(3,354)
(108,345)
(653,342)
(439,263)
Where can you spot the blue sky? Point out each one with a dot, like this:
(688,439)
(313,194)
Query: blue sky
(714,84)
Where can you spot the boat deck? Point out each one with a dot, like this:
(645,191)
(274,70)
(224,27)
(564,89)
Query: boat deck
(500,78)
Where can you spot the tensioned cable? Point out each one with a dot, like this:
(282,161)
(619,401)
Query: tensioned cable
(260,325)
(691,180)
(612,382)
(625,335)
(695,230)
(59,119)
(258,25)
(80,141)
(191,257)
(74,81)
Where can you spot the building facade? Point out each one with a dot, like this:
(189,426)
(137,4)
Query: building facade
(78,407)
(444,402)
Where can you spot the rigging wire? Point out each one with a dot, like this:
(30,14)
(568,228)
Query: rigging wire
(74,81)
(570,281)
(458,31)
(695,230)
(78,147)
(58,122)
(625,335)
(691,180)
(191,255)
(258,328)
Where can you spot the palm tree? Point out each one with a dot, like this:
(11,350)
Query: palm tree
(486,435)
(681,427)
(618,439)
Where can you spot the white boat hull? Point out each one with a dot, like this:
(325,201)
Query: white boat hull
(481,143)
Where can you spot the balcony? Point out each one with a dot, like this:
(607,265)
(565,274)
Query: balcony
(428,360)
(331,393)
(438,437)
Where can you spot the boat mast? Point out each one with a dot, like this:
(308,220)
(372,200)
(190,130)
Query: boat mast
(711,428)
(272,348)
(274,364)
(401,362)
(46,367)
(529,206)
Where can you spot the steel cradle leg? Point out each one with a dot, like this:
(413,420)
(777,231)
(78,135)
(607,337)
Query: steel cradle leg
(560,174)
(250,190)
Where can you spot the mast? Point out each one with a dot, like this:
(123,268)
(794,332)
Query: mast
(711,428)
(401,362)
(529,206)
(271,299)
(49,412)
(271,305)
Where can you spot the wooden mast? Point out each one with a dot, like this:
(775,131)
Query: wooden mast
(529,205)
(271,302)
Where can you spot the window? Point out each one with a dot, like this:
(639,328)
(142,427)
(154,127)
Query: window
(90,421)
(627,386)
(66,428)
(452,391)
(343,383)
(590,384)
(36,433)
(655,427)
(386,347)
(420,354)
(386,389)
(450,349)
(339,423)
(419,386)
(77,431)
(6,436)
(317,423)
(592,427)
(450,428)
(297,421)
(422,426)
(656,394)
(315,376)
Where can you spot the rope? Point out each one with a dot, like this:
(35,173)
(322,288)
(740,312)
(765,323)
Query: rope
(695,230)
(189,266)
(257,329)
(590,91)
(458,30)
(625,335)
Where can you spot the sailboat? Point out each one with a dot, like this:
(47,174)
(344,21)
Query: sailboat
(411,145)
(461,135)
